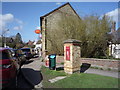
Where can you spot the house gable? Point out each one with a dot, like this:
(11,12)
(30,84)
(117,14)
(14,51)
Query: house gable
(66,8)
(51,28)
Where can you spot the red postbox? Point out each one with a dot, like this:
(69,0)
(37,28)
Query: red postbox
(67,52)
(47,63)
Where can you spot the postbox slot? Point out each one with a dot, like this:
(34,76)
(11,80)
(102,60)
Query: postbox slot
(67,52)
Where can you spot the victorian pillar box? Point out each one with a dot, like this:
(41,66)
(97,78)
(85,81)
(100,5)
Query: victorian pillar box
(72,56)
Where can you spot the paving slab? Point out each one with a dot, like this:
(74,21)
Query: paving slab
(57,79)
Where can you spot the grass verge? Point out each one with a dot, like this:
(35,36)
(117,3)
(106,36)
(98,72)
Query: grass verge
(77,80)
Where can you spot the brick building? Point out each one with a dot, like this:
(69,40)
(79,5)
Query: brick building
(50,24)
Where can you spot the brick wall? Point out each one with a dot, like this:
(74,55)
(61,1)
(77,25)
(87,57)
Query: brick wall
(100,63)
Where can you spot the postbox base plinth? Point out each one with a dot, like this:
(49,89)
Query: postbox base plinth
(71,70)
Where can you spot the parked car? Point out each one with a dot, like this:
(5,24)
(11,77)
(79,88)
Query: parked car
(9,68)
(33,52)
(19,54)
(27,52)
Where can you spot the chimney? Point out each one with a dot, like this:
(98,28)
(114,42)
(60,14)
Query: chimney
(113,26)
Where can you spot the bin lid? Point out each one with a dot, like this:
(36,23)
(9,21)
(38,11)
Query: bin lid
(52,55)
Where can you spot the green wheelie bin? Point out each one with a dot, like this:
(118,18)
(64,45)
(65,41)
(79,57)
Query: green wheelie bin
(52,61)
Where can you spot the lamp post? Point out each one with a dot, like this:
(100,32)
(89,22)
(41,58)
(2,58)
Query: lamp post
(3,34)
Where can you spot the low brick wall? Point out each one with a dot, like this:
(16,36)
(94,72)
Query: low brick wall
(60,59)
(102,63)
(98,63)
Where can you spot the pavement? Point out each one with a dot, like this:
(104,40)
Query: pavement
(114,74)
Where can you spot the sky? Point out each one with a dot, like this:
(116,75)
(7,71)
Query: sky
(24,17)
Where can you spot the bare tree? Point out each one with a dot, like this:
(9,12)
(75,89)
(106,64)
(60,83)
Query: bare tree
(96,36)
(91,31)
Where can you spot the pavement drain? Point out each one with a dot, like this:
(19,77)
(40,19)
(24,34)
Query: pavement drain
(56,79)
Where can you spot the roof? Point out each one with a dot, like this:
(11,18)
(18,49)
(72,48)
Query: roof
(2,48)
(116,36)
(30,42)
(58,9)
(39,42)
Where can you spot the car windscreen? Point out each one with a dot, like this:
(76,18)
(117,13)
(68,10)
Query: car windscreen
(25,50)
(4,55)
